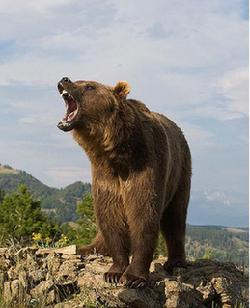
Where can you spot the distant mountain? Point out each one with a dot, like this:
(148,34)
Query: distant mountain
(227,208)
(217,242)
(60,203)
(214,242)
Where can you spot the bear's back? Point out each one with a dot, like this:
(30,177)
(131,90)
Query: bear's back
(137,105)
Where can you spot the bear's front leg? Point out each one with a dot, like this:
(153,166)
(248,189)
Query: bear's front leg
(115,233)
(144,234)
(119,249)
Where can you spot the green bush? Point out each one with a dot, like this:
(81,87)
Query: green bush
(21,216)
(84,230)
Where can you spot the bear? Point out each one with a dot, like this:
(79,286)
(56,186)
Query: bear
(141,177)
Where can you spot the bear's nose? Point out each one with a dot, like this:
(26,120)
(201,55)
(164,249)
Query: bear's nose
(66,80)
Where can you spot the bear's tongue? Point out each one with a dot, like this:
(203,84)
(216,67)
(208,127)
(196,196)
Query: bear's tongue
(71,106)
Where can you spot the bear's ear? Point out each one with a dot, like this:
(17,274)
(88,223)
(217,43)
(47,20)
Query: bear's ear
(122,89)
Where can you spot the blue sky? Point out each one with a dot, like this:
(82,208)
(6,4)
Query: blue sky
(186,59)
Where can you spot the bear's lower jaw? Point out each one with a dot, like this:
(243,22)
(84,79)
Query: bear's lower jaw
(66,125)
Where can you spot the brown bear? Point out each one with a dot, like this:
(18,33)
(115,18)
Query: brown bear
(141,173)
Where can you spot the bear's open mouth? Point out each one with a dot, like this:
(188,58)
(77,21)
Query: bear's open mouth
(71,106)
(67,123)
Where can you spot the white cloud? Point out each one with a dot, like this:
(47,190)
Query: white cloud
(29,6)
(198,138)
(229,99)
(219,196)
(234,87)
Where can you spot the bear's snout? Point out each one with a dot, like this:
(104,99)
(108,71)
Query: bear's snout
(64,80)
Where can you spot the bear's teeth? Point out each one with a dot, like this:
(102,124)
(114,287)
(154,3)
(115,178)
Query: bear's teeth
(64,92)
(72,115)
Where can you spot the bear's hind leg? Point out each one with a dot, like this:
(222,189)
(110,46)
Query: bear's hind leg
(173,227)
(97,246)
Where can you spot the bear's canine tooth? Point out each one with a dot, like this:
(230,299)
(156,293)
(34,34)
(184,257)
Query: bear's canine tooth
(64,92)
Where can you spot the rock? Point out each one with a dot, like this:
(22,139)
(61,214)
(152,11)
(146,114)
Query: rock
(182,295)
(58,280)
(12,273)
(51,297)
(36,276)
(140,298)
(42,289)
(3,278)
(67,271)
(73,257)
(15,288)
(54,262)
(44,293)
(11,291)
(22,278)
(7,293)
(31,261)
(69,250)
(23,252)
(3,251)
(73,304)
(64,290)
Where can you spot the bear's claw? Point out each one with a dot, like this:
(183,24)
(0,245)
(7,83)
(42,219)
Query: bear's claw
(112,277)
(131,281)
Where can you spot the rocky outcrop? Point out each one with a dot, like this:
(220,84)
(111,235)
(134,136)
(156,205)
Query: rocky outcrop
(52,278)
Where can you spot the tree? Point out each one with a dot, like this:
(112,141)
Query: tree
(87,223)
(21,215)
(85,230)
(209,253)
(85,210)
(2,194)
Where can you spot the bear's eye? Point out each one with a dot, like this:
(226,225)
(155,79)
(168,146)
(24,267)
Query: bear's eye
(89,87)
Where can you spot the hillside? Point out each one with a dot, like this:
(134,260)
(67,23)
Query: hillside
(5,169)
(58,202)
(216,242)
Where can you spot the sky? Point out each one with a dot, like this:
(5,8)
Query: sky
(185,59)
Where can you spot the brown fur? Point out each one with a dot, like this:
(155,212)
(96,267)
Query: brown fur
(141,170)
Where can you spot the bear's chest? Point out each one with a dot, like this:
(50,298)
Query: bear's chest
(111,190)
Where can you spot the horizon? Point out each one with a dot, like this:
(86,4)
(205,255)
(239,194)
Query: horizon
(186,60)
